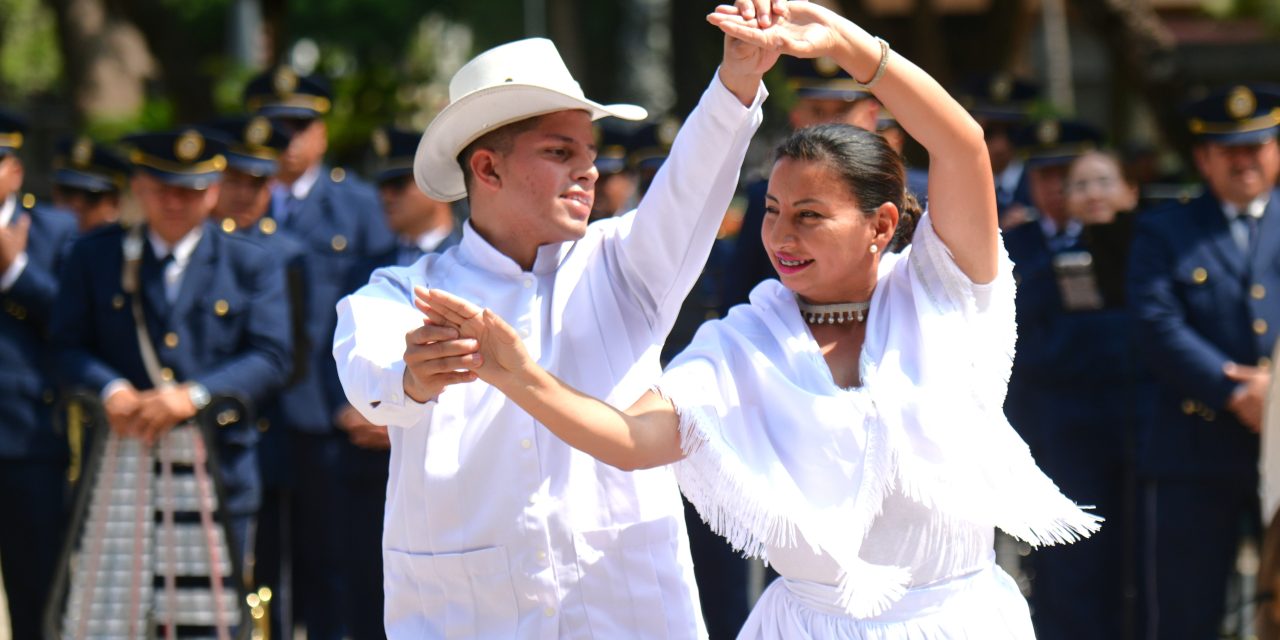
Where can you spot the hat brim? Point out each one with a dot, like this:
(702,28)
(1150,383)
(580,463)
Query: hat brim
(288,111)
(257,167)
(193,181)
(435,165)
(848,95)
(71,179)
(1240,138)
(391,173)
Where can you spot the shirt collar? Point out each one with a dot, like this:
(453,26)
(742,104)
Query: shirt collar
(1254,209)
(7,210)
(427,242)
(182,250)
(1050,228)
(477,251)
(301,188)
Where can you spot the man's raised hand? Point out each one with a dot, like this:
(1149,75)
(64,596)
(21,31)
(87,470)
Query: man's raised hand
(435,357)
(502,355)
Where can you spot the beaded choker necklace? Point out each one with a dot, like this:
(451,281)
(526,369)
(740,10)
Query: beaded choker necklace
(834,313)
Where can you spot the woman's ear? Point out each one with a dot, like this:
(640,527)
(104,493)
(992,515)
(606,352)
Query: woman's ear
(886,220)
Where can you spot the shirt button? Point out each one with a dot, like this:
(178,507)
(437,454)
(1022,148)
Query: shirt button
(549,612)
(526,444)
(528,282)
(542,555)
(524,333)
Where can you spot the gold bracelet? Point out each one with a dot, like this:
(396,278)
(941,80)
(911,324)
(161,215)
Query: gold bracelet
(884,62)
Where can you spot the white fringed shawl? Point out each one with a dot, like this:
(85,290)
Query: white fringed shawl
(774,448)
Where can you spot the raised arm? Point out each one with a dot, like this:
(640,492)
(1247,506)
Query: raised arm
(645,435)
(962,202)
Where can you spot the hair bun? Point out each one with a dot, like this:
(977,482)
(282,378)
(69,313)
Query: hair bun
(908,217)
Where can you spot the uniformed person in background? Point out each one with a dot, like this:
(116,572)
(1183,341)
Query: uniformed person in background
(33,459)
(336,218)
(824,93)
(1081,393)
(421,226)
(617,188)
(917,179)
(1203,282)
(89,181)
(1001,104)
(254,145)
(214,306)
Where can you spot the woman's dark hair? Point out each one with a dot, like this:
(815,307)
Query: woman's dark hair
(866,164)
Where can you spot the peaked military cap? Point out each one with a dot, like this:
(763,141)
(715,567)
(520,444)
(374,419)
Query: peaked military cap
(253,143)
(184,157)
(1238,115)
(998,96)
(80,163)
(393,150)
(822,78)
(613,145)
(12,130)
(282,93)
(651,142)
(1052,142)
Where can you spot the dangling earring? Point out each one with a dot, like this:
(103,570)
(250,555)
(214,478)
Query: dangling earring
(875,248)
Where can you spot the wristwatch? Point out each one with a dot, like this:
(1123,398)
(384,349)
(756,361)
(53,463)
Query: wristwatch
(199,395)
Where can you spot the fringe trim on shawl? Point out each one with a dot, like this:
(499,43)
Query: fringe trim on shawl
(752,515)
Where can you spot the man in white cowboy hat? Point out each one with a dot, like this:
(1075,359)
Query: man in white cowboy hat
(494,527)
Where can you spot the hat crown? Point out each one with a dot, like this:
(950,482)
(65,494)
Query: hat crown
(533,61)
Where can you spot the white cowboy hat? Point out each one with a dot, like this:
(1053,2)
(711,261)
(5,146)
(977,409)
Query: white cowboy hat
(506,84)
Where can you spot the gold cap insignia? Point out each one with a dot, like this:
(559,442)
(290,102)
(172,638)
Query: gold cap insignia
(188,146)
(258,131)
(1001,88)
(1241,103)
(381,143)
(285,81)
(667,131)
(1048,132)
(826,66)
(81,152)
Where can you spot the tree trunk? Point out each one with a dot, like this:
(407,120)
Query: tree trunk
(106,61)
(1144,52)
(183,75)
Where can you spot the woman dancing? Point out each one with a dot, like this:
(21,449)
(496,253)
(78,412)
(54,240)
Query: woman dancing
(847,424)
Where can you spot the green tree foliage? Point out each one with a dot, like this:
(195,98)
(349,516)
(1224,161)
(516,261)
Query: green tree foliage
(29,59)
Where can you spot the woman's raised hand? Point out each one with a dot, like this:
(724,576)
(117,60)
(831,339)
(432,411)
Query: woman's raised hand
(799,29)
(502,354)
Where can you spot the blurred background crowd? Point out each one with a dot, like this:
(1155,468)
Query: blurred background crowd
(1133,144)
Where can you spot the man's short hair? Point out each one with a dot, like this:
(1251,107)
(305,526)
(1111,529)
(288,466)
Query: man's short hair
(499,140)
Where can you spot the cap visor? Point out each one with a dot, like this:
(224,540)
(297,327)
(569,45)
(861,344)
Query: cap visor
(193,181)
(70,179)
(1241,138)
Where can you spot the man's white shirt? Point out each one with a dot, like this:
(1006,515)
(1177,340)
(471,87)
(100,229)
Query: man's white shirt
(494,527)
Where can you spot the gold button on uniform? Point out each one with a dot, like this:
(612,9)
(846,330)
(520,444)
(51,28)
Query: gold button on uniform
(339,242)
(228,225)
(117,302)
(263,424)
(338,174)
(1260,326)
(171,340)
(28,201)
(166,374)
(267,226)
(1189,407)
(220,308)
(1199,276)
(48,396)
(1258,292)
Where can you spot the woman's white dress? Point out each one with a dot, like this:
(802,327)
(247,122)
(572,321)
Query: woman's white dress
(876,505)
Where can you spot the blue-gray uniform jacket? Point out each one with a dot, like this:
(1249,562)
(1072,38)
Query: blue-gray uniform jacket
(228,329)
(26,368)
(1200,301)
(340,226)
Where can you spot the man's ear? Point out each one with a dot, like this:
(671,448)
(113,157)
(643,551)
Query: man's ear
(484,169)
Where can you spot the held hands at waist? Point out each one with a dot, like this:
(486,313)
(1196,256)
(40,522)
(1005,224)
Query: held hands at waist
(148,414)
